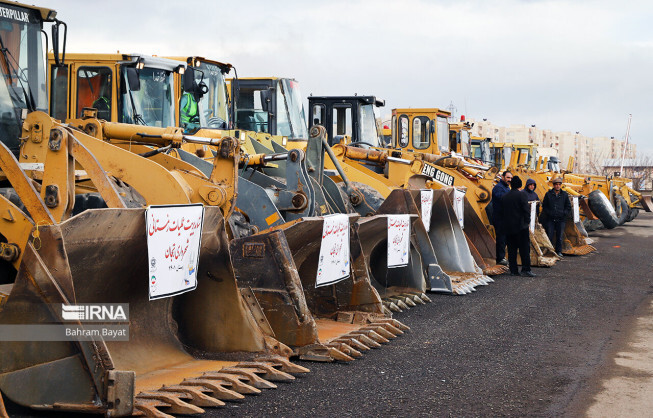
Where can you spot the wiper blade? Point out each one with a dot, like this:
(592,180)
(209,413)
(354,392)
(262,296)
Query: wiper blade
(13,73)
(137,118)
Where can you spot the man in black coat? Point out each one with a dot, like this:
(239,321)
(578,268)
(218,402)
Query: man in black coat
(556,206)
(516,219)
(498,192)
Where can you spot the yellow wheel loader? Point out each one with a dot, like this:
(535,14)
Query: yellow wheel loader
(374,191)
(283,219)
(56,262)
(255,102)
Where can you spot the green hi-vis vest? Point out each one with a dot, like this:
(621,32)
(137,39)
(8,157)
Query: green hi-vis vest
(190,111)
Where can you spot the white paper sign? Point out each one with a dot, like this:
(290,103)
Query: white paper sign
(427,207)
(398,240)
(333,265)
(531,226)
(576,210)
(459,206)
(174,235)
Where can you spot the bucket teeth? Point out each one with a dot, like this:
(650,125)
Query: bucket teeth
(372,335)
(416,299)
(367,341)
(234,380)
(346,348)
(266,371)
(401,305)
(425,298)
(381,330)
(197,397)
(353,342)
(390,328)
(392,322)
(175,405)
(149,408)
(248,375)
(284,365)
(336,354)
(386,310)
(392,306)
(408,301)
(216,387)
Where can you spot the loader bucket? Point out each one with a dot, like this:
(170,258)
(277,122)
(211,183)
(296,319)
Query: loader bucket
(401,201)
(192,343)
(480,241)
(542,252)
(574,243)
(279,267)
(451,246)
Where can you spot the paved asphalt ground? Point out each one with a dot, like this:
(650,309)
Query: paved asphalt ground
(520,346)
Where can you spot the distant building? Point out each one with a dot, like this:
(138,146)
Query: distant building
(588,152)
(640,170)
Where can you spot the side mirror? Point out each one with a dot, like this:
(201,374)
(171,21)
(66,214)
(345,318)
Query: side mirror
(189,80)
(266,98)
(132,79)
(55,42)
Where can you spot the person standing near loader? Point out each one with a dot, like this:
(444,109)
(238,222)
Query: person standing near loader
(555,209)
(500,190)
(516,219)
(529,190)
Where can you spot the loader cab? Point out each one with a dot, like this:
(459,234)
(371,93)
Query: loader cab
(205,79)
(134,89)
(269,105)
(421,130)
(22,66)
(459,138)
(553,164)
(346,116)
(480,149)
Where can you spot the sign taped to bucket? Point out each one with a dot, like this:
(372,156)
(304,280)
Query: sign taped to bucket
(576,209)
(333,264)
(174,235)
(459,206)
(427,207)
(398,240)
(531,225)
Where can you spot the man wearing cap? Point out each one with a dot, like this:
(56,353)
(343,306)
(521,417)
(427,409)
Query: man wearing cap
(497,215)
(516,219)
(556,206)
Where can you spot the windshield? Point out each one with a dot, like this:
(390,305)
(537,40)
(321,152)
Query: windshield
(152,104)
(292,122)
(214,112)
(23,69)
(368,132)
(443,134)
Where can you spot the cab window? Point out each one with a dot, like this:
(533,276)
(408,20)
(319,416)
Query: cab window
(421,127)
(59,93)
(94,90)
(403,131)
(342,120)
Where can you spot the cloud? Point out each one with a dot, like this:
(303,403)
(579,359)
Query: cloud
(563,65)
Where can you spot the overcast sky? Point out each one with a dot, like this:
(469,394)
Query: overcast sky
(562,65)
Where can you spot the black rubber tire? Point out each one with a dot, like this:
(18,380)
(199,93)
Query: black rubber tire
(632,214)
(601,207)
(622,209)
(593,225)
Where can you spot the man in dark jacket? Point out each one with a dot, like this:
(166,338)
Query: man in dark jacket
(555,209)
(497,215)
(516,218)
(529,191)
